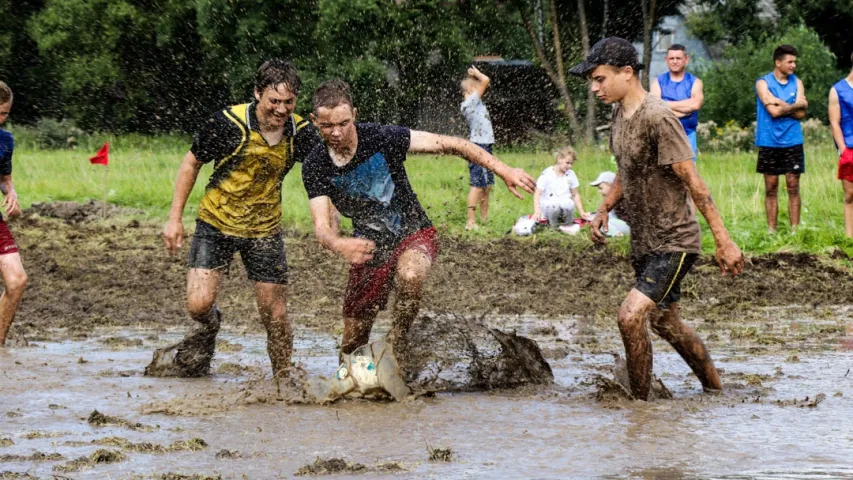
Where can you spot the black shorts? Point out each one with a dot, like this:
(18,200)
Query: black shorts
(779,161)
(263,258)
(659,275)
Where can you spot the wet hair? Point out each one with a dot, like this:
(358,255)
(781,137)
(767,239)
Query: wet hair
(783,50)
(5,93)
(567,151)
(276,72)
(677,46)
(332,93)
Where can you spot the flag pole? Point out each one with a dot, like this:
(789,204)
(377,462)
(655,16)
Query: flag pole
(106,183)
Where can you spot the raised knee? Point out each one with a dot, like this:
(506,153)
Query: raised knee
(628,320)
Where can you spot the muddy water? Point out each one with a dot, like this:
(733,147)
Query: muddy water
(762,427)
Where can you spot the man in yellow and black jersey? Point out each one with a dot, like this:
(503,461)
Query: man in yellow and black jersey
(252,147)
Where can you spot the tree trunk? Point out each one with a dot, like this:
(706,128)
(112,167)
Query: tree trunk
(648,29)
(606,18)
(558,79)
(589,131)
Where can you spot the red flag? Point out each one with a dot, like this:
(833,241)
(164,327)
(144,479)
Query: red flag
(103,155)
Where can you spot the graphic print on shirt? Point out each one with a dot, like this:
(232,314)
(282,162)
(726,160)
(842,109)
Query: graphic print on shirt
(370,189)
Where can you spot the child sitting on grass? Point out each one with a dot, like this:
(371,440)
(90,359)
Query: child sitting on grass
(557,197)
(616,227)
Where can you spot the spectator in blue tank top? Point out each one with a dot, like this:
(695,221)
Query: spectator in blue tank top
(841,121)
(682,91)
(781,103)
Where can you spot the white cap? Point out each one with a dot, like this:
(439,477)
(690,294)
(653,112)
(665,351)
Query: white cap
(604,177)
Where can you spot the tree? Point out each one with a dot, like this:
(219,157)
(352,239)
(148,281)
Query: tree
(831,19)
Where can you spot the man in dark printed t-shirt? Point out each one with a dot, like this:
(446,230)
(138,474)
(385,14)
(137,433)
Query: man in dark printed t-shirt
(252,147)
(360,173)
(656,179)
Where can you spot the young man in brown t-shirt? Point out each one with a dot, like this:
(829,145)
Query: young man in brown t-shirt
(655,181)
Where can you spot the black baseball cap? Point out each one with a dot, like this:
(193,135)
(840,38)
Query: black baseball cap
(614,51)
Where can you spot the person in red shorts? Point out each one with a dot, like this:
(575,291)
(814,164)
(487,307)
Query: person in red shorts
(359,172)
(841,121)
(11,268)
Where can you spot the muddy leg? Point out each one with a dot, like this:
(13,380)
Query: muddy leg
(357,331)
(683,338)
(638,345)
(412,270)
(191,356)
(15,280)
(272,305)
(771,201)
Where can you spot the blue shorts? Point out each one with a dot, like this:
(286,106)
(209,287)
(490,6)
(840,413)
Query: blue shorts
(692,137)
(481,177)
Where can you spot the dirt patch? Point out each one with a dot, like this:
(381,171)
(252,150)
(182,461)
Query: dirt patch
(34,457)
(98,419)
(75,212)
(73,282)
(6,442)
(335,466)
(16,475)
(193,445)
(118,343)
(440,454)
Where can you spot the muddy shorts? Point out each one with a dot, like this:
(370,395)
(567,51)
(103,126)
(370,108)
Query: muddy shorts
(845,165)
(368,287)
(481,177)
(659,275)
(263,258)
(7,241)
(780,161)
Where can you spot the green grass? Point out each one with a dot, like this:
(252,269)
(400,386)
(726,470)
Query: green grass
(142,174)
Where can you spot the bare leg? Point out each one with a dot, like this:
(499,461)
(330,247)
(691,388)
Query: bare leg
(484,204)
(792,184)
(848,207)
(412,270)
(474,195)
(683,338)
(771,201)
(638,345)
(272,305)
(15,279)
(195,351)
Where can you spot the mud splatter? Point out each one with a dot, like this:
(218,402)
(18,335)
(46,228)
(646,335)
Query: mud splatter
(6,442)
(98,419)
(440,454)
(117,343)
(34,457)
(42,434)
(16,475)
(99,456)
(226,454)
(192,445)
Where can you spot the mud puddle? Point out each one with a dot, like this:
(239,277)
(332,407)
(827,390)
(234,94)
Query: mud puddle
(770,423)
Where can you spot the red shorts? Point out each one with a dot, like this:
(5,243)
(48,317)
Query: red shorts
(368,287)
(845,165)
(7,241)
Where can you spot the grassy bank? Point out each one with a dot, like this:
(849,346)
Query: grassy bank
(142,176)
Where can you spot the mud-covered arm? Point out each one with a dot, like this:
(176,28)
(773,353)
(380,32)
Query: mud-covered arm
(10,199)
(729,256)
(835,119)
(327,231)
(173,232)
(425,142)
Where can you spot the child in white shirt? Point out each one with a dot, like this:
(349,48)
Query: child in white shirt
(557,197)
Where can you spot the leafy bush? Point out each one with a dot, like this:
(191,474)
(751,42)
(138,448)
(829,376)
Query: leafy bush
(733,138)
(730,84)
(49,134)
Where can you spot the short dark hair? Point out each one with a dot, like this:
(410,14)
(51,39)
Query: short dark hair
(5,93)
(783,50)
(332,93)
(677,46)
(277,71)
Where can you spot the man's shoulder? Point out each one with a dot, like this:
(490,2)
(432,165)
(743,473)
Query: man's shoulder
(316,156)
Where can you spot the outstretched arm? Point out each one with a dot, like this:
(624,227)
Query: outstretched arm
(835,119)
(173,232)
(327,231)
(729,256)
(425,142)
(482,80)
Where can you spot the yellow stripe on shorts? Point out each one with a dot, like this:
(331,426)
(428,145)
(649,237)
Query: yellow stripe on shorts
(674,277)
